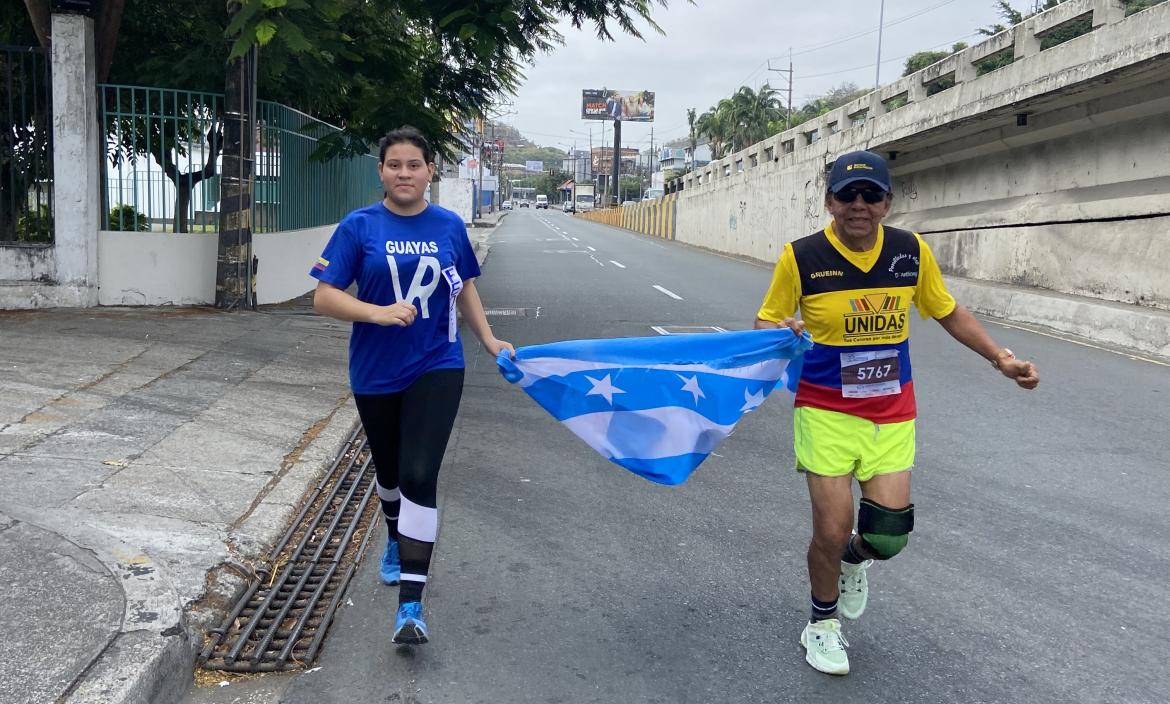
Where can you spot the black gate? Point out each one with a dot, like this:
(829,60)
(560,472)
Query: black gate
(26,146)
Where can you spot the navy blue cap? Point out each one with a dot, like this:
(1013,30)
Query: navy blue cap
(859,166)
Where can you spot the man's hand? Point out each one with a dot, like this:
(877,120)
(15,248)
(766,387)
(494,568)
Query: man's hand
(1023,372)
(793,324)
(400,314)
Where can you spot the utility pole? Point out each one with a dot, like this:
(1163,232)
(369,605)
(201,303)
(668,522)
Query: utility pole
(234,264)
(653,161)
(479,160)
(788,114)
(616,172)
(877,80)
(496,193)
(590,160)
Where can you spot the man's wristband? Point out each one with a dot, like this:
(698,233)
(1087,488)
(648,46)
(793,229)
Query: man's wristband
(1003,354)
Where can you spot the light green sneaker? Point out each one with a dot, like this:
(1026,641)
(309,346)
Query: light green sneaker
(854,588)
(824,646)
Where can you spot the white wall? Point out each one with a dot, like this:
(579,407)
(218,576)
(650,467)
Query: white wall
(154,268)
(458,196)
(285,259)
(151,268)
(26,263)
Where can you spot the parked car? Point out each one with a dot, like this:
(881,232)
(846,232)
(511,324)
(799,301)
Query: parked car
(506,205)
(627,202)
(567,206)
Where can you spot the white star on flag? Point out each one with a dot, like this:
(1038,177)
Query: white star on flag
(692,387)
(603,387)
(751,401)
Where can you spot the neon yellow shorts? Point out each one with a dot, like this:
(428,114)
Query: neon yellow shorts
(833,444)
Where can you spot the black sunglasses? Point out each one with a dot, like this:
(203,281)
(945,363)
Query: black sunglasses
(869,195)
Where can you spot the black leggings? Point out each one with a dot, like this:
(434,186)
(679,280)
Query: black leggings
(408,433)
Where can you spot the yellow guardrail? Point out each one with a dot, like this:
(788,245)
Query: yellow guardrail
(655,217)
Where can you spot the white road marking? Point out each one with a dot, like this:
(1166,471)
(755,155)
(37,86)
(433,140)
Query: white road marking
(590,248)
(617,264)
(668,292)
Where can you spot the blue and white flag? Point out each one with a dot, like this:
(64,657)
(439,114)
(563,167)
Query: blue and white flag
(657,405)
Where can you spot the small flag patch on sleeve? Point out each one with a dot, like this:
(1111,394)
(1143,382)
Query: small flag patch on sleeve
(322,262)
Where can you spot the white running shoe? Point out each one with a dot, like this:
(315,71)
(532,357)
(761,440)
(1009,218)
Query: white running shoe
(824,646)
(854,588)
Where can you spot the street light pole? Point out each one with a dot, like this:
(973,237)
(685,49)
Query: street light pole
(877,81)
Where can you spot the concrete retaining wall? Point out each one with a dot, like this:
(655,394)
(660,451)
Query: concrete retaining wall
(1052,172)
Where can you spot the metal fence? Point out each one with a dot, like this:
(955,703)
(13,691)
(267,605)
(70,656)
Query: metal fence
(163,148)
(26,146)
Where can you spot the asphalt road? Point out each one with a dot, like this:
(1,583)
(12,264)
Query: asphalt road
(1038,560)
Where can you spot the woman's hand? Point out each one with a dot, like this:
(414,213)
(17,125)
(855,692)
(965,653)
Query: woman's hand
(400,314)
(494,346)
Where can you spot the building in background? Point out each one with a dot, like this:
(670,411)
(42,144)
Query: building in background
(677,159)
(576,165)
(602,160)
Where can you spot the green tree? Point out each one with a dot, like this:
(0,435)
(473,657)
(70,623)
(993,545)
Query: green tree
(369,66)
(715,126)
(629,188)
(827,102)
(751,113)
(1013,17)
(922,59)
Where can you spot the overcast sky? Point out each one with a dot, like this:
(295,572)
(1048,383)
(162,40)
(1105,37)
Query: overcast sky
(711,48)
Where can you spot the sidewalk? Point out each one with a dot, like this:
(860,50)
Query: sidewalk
(149,456)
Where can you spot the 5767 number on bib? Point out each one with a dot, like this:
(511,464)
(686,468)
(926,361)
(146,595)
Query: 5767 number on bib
(871,373)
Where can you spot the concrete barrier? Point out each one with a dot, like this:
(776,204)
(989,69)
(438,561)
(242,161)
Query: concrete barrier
(655,218)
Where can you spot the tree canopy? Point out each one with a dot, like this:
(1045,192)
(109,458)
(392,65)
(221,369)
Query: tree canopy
(367,65)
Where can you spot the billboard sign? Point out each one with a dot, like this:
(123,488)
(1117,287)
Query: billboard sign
(534,167)
(626,105)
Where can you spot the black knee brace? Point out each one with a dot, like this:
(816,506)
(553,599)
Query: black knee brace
(885,531)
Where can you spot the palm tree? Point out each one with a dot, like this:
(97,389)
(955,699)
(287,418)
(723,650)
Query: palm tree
(714,125)
(747,117)
(751,112)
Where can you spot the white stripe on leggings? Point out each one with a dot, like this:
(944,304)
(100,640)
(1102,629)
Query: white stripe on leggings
(387,494)
(418,522)
(408,577)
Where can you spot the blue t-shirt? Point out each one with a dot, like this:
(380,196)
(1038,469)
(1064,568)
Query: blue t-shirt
(418,259)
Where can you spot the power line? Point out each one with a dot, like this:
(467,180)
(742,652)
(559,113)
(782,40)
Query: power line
(891,23)
(886,61)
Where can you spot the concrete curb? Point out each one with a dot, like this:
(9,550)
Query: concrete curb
(257,532)
(152,643)
(1129,326)
(151,659)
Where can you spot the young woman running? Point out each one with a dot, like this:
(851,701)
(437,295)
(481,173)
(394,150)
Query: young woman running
(413,265)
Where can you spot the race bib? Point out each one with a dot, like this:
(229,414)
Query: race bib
(456,284)
(871,373)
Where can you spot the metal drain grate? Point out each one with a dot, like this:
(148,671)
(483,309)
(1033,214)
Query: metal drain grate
(281,621)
